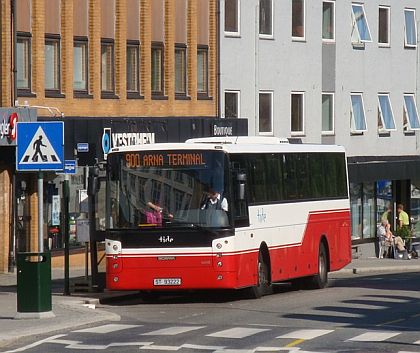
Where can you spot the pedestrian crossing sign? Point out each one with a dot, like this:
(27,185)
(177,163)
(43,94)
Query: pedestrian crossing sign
(40,146)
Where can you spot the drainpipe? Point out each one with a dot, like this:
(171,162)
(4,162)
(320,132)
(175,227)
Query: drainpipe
(14,37)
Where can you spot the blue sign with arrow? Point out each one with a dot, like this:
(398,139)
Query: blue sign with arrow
(40,146)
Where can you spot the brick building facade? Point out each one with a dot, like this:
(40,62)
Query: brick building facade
(147,63)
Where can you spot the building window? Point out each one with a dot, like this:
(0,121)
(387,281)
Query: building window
(360,31)
(202,70)
(363,210)
(232,17)
(157,69)
(327,113)
(52,64)
(80,65)
(23,62)
(410,28)
(231,104)
(266,18)
(297,112)
(298,19)
(384,26)
(357,119)
(265,116)
(181,71)
(410,114)
(133,68)
(385,115)
(107,67)
(328,20)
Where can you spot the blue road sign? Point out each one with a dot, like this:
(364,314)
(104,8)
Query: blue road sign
(70,166)
(82,147)
(40,146)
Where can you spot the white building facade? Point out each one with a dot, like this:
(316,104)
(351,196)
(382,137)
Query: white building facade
(335,72)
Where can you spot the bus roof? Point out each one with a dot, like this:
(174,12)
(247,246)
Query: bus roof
(234,144)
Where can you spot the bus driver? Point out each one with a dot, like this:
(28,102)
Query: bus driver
(215,201)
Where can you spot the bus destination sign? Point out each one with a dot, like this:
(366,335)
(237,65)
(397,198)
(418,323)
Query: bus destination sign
(164,159)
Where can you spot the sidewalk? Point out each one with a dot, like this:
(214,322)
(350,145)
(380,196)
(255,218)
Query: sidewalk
(85,308)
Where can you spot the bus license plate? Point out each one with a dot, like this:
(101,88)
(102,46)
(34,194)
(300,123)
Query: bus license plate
(167,281)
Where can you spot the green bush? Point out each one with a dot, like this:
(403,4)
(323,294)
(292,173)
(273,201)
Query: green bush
(404,233)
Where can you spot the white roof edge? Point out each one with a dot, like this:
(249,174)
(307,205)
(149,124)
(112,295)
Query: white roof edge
(260,140)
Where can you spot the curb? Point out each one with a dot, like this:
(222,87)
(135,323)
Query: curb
(361,270)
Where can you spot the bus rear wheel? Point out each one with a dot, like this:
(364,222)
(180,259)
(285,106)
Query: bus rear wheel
(263,286)
(320,280)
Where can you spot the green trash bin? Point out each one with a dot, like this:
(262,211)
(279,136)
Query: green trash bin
(33,282)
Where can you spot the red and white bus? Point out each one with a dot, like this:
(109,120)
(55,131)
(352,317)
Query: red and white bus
(285,214)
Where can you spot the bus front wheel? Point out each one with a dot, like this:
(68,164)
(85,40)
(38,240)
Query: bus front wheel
(263,285)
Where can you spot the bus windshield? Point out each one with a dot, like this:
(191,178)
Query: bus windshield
(168,189)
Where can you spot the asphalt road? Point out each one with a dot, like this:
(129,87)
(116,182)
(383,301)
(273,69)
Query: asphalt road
(375,313)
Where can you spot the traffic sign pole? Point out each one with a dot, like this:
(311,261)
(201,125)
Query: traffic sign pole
(66,195)
(40,212)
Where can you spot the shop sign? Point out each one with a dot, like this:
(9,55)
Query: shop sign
(122,139)
(222,130)
(8,127)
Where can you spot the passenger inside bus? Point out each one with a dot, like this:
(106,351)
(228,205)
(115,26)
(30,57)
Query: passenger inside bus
(155,214)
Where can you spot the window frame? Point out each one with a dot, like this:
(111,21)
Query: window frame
(182,48)
(56,41)
(271,93)
(108,93)
(238,103)
(381,114)
(133,93)
(303,37)
(332,131)
(203,94)
(27,38)
(265,35)
(297,132)
(328,40)
(158,46)
(388,10)
(236,33)
(356,27)
(353,128)
(406,44)
(84,42)
(408,127)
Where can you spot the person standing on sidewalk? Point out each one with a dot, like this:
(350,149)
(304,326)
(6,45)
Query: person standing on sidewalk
(403,219)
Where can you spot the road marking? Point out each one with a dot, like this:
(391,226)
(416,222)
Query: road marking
(107,328)
(417,342)
(172,331)
(35,344)
(161,348)
(374,336)
(295,343)
(237,332)
(204,348)
(306,334)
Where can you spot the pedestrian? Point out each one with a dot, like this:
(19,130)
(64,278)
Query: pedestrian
(403,219)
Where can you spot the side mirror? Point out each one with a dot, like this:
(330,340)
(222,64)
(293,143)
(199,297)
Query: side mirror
(241,179)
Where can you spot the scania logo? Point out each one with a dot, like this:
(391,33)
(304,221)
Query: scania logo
(166,239)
